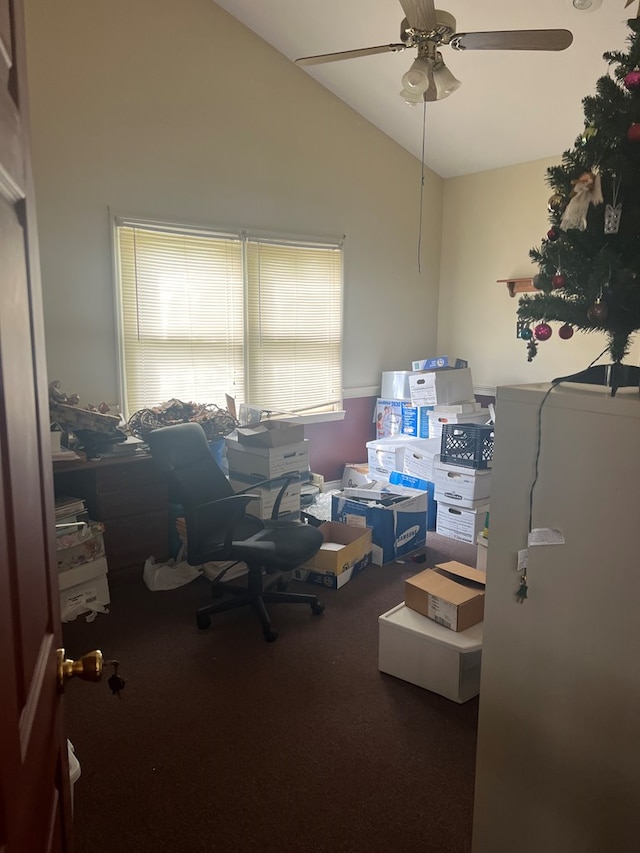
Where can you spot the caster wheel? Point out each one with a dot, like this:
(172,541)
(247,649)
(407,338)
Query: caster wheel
(203,622)
(270,636)
(282,585)
(317,609)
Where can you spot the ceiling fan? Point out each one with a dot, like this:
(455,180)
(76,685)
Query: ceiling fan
(427,28)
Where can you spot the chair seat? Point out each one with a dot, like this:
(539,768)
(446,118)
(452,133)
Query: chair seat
(281,547)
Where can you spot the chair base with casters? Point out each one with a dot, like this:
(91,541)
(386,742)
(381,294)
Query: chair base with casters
(219,529)
(257,596)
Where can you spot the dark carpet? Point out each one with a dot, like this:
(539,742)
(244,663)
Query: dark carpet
(223,742)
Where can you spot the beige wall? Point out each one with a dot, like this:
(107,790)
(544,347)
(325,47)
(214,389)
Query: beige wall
(490,221)
(174,110)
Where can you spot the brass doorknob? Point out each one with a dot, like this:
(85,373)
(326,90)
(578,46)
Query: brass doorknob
(88,668)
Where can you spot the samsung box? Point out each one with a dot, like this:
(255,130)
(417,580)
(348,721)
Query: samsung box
(451,594)
(265,463)
(398,523)
(436,387)
(271,434)
(345,552)
(418,650)
(83,588)
(409,482)
(461,523)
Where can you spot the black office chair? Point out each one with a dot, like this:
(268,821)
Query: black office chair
(219,528)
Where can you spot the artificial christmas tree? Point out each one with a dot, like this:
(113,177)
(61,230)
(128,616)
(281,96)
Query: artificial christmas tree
(589,261)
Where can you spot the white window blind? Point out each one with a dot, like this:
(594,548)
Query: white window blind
(203,314)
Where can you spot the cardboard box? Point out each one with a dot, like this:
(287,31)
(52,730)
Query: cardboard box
(418,458)
(441,387)
(460,523)
(271,434)
(83,546)
(387,417)
(83,589)
(460,486)
(451,594)
(438,419)
(265,463)
(415,420)
(381,455)
(409,482)
(263,507)
(345,552)
(398,525)
(438,362)
(418,650)
(355,474)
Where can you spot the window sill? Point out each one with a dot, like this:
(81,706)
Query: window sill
(318,418)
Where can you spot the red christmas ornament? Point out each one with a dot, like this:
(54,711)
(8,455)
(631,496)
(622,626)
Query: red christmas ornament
(542,332)
(553,233)
(633,134)
(632,80)
(565,332)
(598,312)
(558,280)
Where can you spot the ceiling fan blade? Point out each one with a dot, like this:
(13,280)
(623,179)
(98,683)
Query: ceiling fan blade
(513,40)
(420,14)
(350,54)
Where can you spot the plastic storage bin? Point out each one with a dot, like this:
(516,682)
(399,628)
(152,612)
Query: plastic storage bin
(469,445)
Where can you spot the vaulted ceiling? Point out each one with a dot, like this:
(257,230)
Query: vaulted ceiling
(512,106)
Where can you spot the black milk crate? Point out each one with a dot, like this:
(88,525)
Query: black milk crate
(469,445)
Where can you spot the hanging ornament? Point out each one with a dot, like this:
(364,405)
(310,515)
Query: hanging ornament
(526,334)
(633,134)
(588,133)
(542,332)
(586,190)
(632,80)
(598,311)
(565,332)
(613,211)
(532,349)
(558,280)
(553,234)
(557,203)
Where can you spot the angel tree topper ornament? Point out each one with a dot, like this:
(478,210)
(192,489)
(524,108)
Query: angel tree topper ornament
(586,190)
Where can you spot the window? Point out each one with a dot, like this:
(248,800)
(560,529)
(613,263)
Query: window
(204,314)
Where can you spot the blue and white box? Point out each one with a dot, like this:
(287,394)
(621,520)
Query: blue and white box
(415,420)
(439,361)
(406,481)
(397,528)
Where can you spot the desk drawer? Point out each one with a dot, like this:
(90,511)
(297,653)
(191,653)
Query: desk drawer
(135,499)
(130,540)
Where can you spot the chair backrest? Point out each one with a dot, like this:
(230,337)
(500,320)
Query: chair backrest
(183,455)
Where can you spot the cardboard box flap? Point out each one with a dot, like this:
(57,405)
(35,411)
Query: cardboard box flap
(434,583)
(460,572)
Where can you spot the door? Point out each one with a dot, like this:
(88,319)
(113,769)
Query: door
(35,809)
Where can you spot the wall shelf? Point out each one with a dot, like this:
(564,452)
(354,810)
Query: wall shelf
(518,285)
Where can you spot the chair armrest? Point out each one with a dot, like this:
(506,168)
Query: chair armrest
(218,517)
(286,479)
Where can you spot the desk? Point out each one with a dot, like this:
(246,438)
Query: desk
(130,497)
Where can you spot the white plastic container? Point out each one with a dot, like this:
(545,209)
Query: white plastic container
(418,650)
(395,385)
(74,769)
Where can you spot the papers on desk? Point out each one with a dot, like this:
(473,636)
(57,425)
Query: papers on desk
(64,455)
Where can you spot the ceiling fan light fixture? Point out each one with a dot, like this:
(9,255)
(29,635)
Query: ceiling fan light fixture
(444,80)
(412,98)
(584,5)
(416,79)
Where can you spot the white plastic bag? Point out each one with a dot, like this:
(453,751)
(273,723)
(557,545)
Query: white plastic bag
(171,575)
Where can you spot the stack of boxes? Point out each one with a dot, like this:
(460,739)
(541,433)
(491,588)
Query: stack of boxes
(463,480)
(434,638)
(82,565)
(409,417)
(271,450)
